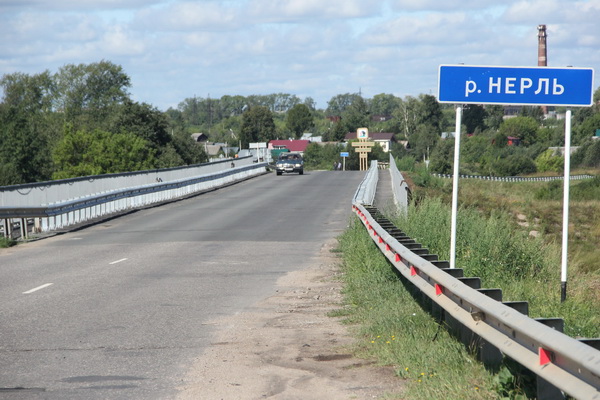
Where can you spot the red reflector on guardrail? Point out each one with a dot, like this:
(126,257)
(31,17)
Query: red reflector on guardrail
(439,289)
(387,247)
(398,258)
(545,356)
(413,270)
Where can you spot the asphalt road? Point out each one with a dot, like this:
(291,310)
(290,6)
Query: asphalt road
(119,310)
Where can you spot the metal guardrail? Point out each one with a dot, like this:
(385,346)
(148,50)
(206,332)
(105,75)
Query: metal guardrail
(365,194)
(70,212)
(516,178)
(557,359)
(400,188)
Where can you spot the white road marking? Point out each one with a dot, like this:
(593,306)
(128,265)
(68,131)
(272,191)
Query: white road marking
(38,288)
(118,261)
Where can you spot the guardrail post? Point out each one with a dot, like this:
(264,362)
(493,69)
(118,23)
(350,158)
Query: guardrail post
(23,226)
(489,354)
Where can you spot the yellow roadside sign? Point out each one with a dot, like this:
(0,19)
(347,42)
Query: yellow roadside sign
(363,144)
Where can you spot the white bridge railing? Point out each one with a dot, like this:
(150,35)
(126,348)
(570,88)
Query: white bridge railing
(58,204)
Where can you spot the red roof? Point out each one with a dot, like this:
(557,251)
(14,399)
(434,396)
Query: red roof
(291,145)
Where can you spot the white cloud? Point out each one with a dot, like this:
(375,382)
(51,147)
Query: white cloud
(173,49)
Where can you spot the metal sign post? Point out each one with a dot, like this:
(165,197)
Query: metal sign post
(455,187)
(543,86)
(344,155)
(565,228)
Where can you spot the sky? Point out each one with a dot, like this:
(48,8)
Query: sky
(176,49)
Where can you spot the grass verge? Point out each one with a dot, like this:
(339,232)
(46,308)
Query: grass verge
(5,242)
(394,329)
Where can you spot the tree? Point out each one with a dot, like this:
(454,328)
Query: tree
(356,115)
(24,153)
(383,104)
(85,94)
(338,104)
(423,142)
(26,129)
(299,120)
(474,117)
(494,116)
(257,126)
(430,112)
(548,161)
(142,120)
(82,153)
(442,157)
(586,129)
(408,115)
(524,128)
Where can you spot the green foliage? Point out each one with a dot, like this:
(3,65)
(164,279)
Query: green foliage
(586,129)
(322,157)
(339,103)
(82,153)
(423,141)
(393,328)
(524,128)
(586,190)
(257,126)
(588,154)
(142,120)
(356,115)
(383,104)
(24,149)
(494,116)
(491,247)
(474,117)
(406,163)
(6,242)
(442,158)
(548,161)
(86,93)
(512,165)
(299,120)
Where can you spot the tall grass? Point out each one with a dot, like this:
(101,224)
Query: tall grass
(394,329)
(526,268)
(5,242)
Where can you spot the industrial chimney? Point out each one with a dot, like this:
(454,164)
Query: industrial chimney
(542,53)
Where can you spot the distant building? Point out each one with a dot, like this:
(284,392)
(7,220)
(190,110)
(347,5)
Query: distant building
(294,146)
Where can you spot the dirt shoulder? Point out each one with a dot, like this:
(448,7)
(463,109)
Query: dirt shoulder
(287,347)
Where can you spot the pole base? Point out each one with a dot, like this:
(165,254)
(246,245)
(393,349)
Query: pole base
(563,292)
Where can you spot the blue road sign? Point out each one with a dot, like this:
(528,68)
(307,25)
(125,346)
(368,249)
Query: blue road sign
(467,84)
(344,154)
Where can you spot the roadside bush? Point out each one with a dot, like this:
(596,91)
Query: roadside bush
(548,161)
(406,163)
(512,165)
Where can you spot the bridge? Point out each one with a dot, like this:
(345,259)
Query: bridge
(133,295)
